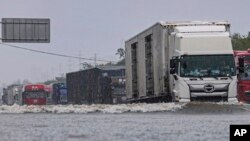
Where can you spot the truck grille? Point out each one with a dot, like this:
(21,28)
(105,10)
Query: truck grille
(208,88)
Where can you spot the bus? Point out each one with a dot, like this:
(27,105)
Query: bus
(35,94)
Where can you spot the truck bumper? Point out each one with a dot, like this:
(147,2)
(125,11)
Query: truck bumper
(184,100)
(222,94)
(233,100)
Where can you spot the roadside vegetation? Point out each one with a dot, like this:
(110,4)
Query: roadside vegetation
(241,42)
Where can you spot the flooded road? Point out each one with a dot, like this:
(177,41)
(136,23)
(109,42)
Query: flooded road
(172,122)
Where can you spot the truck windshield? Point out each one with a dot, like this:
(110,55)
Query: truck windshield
(207,66)
(247,58)
(63,92)
(38,94)
(63,95)
(246,74)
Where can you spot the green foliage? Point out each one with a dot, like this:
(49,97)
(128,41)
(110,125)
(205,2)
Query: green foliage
(119,63)
(240,42)
(120,52)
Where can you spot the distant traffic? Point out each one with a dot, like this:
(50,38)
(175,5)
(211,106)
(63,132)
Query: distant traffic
(168,62)
(103,85)
(35,94)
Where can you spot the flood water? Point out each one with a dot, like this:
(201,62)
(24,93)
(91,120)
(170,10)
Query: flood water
(133,122)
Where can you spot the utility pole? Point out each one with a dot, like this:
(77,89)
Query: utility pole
(69,65)
(95,59)
(80,54)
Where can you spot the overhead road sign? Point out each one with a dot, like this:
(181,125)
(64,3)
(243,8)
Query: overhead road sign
(25,30)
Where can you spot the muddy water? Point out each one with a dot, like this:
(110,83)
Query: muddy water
(189,122)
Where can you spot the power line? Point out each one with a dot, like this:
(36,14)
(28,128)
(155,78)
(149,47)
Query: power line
(54,54)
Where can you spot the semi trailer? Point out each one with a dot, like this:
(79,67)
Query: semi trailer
(181,61)
(90,86)
(99,85)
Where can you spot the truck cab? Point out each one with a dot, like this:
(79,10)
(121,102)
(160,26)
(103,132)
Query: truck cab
(203,65)
(243,87)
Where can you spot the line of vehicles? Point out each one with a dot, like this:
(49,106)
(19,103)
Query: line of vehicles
(102,85)
(169,61)
(35,94)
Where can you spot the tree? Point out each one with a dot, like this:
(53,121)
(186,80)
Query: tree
(86,65)
(120,52)
(240,42)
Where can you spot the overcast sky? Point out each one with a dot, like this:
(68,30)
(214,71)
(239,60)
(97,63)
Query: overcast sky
(87,27)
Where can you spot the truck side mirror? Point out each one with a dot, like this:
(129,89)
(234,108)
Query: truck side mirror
(184,64)
(172,63)
(241,65)
(172,71)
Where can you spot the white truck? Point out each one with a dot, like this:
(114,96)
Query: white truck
(181,61)
(13,95)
